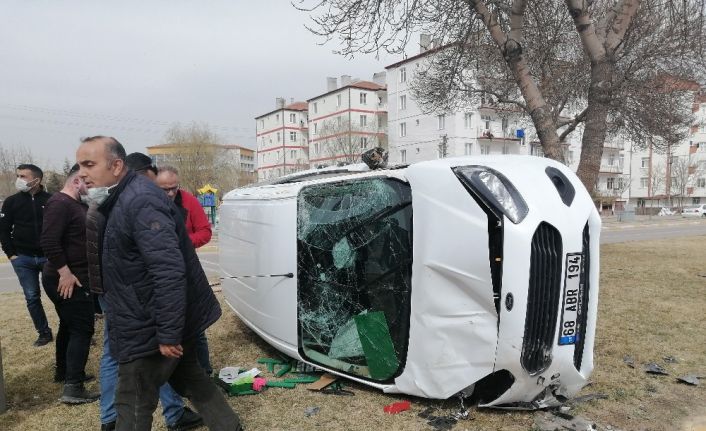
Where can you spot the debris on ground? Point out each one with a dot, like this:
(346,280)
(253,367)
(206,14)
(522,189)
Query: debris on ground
(311,411)
(629,360)
(689,379)
(653,368)
(670,360)
(271,363)
(442,423)
(588,397)
(336,388)
(563,422)
(398,407)
(325,380)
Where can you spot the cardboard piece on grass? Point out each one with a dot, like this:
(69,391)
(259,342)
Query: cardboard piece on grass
(689,379)
(325,380)
(653,368)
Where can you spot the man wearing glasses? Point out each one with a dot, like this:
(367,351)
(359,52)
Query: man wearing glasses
(199,230)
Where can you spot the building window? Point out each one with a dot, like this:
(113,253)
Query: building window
(485,148)
(644,182)
(645,162)
(610,183)
(403,102)
(292,118)
(363,142)
(695,201)
(363,98)
(467,118)
(339,121)
(611,159)
(403,156)
(316,108)
(468,148)
(292,136)
(363,120)
(316,148)
(403,129)
(441,121)
(487,119)
(315,128)
(262,124)
(278,137)
(293,154)
(338,100)
(701,182)
(505,124)
(277,117)
(403,74)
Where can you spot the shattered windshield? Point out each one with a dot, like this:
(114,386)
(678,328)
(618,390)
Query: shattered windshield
(354,242)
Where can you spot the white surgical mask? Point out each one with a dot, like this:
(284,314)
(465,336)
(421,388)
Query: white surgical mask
(22,185)
(97,195)
(84,199)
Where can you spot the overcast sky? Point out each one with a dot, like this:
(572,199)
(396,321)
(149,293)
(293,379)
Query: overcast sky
(129,69)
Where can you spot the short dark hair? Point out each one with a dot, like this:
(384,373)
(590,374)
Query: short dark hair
(72,172)
(115,149)
(36,172)
(140,162)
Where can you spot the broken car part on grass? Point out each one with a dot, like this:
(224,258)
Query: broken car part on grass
(475,274)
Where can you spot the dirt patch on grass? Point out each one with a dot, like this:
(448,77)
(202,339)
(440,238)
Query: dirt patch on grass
(651,307)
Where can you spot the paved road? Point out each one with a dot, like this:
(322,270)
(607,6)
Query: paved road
(652,232)
(612,233)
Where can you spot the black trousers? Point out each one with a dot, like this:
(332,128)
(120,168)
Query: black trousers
(138,391)
(76,325)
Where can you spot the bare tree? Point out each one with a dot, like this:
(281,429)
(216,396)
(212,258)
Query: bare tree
(344,142)
(604,64)
(201,158)
(10,158)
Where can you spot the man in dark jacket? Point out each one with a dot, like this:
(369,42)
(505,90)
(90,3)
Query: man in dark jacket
(157,294)
(20,228)
(65,280)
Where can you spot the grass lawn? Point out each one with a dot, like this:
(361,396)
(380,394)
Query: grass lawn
(652,305)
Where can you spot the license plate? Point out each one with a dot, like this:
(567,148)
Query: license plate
(568,332)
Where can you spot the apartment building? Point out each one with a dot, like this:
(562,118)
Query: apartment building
(347,120)
(282,140)
(416,136)
(646,179)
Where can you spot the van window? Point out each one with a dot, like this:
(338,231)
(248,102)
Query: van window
(354,251)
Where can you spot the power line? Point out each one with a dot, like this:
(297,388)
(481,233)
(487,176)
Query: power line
(116,118)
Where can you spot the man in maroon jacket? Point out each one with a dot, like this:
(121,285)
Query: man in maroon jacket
(199,230)
(65,280)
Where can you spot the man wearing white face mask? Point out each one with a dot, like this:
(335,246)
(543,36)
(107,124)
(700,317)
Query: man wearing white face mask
(156,293)
(20,227)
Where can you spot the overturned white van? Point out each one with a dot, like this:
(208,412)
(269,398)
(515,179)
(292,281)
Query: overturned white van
(456,275)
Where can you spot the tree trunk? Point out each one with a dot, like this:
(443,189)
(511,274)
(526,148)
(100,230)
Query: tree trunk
(599,97)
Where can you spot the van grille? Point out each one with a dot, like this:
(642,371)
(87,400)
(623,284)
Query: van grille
(583,306)
(542,299)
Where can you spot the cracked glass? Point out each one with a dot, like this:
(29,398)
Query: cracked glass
(354,252)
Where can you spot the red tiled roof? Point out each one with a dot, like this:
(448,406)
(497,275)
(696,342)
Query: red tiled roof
(421,54)
(297,106)
(367,85)
(364,85)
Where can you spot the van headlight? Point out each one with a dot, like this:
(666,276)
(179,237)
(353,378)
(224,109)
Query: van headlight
(496,191)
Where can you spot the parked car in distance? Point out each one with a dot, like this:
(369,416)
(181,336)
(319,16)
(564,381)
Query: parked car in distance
(695,211)
(470,275)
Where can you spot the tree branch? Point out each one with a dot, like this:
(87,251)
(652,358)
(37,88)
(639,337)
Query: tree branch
(572,125)
(587,32)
